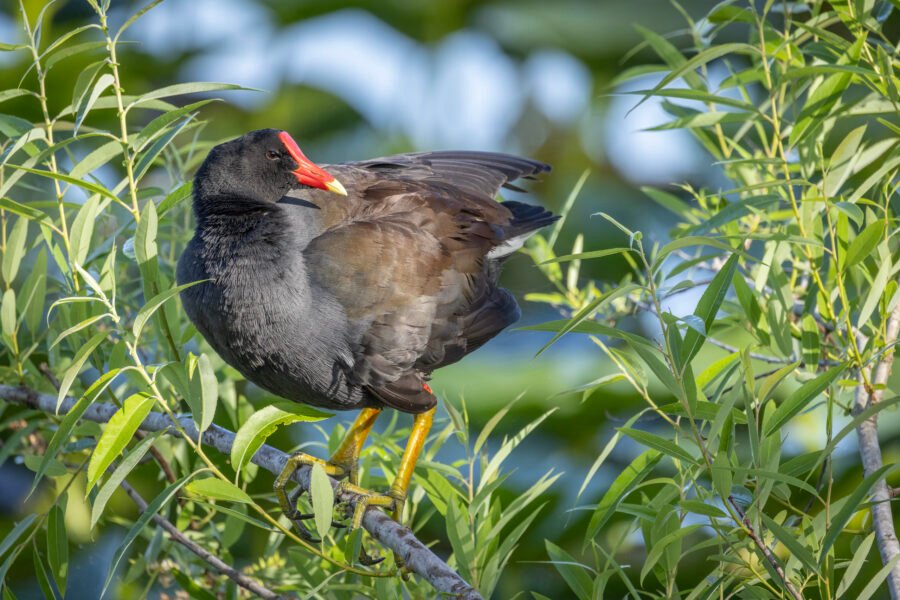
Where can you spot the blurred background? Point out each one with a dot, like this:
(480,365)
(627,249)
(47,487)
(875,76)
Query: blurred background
(354,80)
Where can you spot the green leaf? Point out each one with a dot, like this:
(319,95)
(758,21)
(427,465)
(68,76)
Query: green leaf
(661,545)
(85,185)
(219,489)
(656,442)
(147,311)
(24,211)
(576,575)
(180,89)
(154,507)
(587,311)
(8,313)
(623,485)
(15,250)
(772,381)
(852,504)
(810,344)
(322,496)
(87,101)
(861,247)
(81,356)
(117,433)
(155,127)
(842,162)
(823,98)
(587,255)
(83,229)
(123,469)
(96,158)
(860,557)
(64,431)
(209,393)
(791,541)
(669,201)
(58,543)
(873,295)
(708,308)
(797,401)
(874,584)
(77,327)
(175,197)
(16,532)
(263,423)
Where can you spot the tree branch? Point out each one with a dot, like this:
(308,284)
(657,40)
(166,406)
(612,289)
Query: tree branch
(788,585)
(216,563)
(870,450)
(417,557)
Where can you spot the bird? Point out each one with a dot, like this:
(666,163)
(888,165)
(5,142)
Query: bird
(345,286)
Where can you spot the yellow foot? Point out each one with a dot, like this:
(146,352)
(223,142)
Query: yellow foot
(393,501)
(288,504)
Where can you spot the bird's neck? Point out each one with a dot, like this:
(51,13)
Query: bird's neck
(239,231)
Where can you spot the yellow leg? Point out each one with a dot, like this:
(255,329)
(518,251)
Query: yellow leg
(420,429)
(396,497)
(347,454)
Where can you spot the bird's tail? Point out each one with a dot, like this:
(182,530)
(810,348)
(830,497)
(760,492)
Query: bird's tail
(527,219)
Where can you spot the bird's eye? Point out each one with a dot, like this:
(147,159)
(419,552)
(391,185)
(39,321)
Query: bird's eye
(272,155)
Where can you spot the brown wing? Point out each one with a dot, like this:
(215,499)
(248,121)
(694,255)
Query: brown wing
(406,254)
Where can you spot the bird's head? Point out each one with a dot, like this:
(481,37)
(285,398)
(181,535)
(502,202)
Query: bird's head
(260,167)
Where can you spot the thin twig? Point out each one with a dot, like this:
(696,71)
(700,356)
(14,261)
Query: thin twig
(870,450)
(213,560)
(776,566)
(417,557)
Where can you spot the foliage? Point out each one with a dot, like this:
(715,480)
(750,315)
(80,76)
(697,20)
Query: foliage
(87,278)
(740,333)
(795,255)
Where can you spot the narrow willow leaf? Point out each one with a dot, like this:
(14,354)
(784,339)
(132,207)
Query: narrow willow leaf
(64,431)
(853,504)
(586,312)
(117,433)
(667,447)
(861,247)
(58,544)
(209,393)
(147,311)
(623,485)
(708,308)
(873,295)
(663,544)
(175,197)
(722,475)
(24,211)
(77,327)
(83,228)
(263,423)
(610,445)
(85,185)
(15,250)
(84,107)
(461,539)
(8,314)
(154,507)
(96,158)
(860,557)
(772,381)
(155,127)
(123,469)
(587,255)
(16,532)
(874,584)
(791,541)
(797,401)
(669,201)
(810,344)
(322,496)
(218,489)
(843,161)
(81,356)
(576,575)
(34,293)
(180,89)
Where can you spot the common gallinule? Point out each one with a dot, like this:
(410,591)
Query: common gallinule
(345,286)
